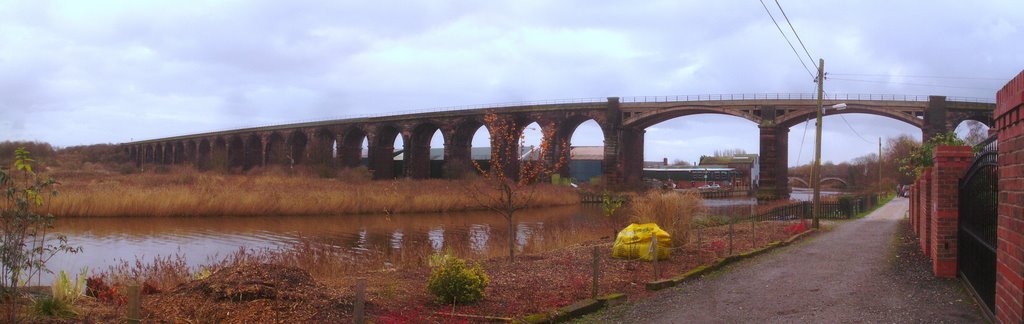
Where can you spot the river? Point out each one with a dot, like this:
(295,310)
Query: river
(201,240)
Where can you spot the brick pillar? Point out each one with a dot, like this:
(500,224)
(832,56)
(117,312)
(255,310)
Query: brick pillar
(934,118)
(925,211)
(950,163)
(417,158)
(611,169)
(1010,245)
(458,160)
(632,148)
(774,177)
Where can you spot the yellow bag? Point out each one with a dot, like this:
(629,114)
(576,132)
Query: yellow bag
(634,242)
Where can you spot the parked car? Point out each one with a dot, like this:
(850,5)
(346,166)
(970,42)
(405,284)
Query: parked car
(713,186)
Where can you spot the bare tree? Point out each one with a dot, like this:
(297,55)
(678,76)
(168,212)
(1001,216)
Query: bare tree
(512,181)
(977,132)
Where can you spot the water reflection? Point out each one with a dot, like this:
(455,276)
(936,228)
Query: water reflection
(472,234)
(200,240)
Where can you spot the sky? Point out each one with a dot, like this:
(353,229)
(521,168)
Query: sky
(102,71)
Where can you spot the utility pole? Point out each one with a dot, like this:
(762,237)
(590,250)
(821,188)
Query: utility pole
(880,188)
(816,170)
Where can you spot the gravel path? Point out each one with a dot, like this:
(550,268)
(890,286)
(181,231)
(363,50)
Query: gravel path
(867,270)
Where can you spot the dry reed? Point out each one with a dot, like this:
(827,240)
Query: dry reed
(183,192)
(672,211)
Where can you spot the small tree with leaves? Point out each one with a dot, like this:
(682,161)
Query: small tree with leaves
(511,182)
(924,156)
(23,228)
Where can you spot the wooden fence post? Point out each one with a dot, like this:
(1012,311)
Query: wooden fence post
(134,304)
(654,255)
(731,221)
(597,269)
(358,316)
(700,247)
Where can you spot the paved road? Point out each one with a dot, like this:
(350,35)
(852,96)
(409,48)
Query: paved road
(852,273)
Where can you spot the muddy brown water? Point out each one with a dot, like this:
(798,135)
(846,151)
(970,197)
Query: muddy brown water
(203,240)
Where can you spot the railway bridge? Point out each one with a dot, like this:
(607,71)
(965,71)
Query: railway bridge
(622,120)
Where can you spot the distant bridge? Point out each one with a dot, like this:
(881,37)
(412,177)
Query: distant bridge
(807,183)
(622,120)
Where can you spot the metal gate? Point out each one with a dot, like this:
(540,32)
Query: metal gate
(979,206)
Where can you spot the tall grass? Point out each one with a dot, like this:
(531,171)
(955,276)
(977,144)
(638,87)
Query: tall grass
(672,211)
(184,192)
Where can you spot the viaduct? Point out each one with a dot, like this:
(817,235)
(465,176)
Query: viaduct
(622,120)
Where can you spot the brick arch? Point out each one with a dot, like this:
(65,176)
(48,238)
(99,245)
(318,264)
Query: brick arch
(419,161)
(382,148)
(350,149)
(790,120)
(203,154)
(956,119)
(323,147)
(253,155)
(219,158)
(566,130)
(147,156)
(190,152)
(179,153)
(236,152)
(650,119)
(158,153)
(168,153)
(459,146)
(834,179)
(296,144)
(276,152)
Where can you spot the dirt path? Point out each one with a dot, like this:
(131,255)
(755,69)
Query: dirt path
(858,272)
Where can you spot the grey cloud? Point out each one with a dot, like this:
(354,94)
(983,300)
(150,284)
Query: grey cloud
(166,68)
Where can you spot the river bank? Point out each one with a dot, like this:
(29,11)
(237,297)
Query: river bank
(536,282)
(186,192)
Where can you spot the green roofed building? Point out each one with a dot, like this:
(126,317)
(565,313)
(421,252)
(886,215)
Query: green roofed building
(747,165)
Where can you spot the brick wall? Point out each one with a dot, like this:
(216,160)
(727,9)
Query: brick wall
(925,211)
(1010,245)
(913,208)
(950,164)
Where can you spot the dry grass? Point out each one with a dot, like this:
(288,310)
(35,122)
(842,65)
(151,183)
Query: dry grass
(185,192)
(672,211)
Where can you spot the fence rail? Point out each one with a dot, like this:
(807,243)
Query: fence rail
(845,207)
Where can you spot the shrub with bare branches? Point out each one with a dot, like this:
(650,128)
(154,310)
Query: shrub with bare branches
(672,211)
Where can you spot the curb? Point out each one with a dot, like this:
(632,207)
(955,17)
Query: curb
(703,269)
(574,310)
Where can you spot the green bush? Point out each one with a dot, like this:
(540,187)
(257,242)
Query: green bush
(52,307)
(453,282)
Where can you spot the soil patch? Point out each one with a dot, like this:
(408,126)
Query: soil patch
(249,294)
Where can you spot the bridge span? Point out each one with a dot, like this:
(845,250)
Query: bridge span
(622,121)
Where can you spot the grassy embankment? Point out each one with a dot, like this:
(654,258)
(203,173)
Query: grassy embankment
(186,192)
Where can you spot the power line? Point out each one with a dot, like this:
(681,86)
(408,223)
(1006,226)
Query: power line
(852,129)
(849,125)
(919,76)
(803,138)
(797,35)
(787,40)
(912,84)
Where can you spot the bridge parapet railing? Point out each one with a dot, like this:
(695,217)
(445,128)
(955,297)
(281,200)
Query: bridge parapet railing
(794,96)
(633,99)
